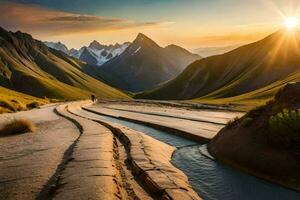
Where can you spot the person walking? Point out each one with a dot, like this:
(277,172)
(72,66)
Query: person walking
(93,98)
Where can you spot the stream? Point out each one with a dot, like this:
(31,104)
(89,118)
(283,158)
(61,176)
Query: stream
(210,179)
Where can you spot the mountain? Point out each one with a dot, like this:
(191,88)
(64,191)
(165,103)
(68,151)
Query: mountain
(144,65)
(211,51)
(58,46)
(29,66)
(254,71)
(88,56)
(94,54)
(180,56)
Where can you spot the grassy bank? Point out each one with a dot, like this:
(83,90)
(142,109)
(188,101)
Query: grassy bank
(12,101)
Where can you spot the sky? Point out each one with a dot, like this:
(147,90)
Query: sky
(188,23)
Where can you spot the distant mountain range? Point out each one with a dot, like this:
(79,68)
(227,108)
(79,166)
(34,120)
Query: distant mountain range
(58,46)
(132,67)
(94,54)
(253,71)
(29,66)
(52,70)
(211,51)
(144,65)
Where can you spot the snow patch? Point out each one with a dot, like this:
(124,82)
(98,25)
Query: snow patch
(137,50)
(111,51)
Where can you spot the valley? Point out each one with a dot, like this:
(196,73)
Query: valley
(156,100)
(251,74)
(96,139)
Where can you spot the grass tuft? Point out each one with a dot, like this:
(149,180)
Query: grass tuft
(33,105)
(18,105)
(18,126)
(232,122)
(11,106)
(4,110)
(55,100)
(7,105)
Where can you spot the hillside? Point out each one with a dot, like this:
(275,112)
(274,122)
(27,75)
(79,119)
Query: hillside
(265,142)
(254,71)
(11,101)
(144,65)
(29,66)
(211,51)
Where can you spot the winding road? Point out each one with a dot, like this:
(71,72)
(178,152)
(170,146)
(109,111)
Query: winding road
(121,150)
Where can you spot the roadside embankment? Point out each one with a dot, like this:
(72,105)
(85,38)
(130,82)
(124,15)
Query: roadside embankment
(265,142)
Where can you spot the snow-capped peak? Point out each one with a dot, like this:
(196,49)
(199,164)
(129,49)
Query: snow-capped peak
(102,53)
(58,46)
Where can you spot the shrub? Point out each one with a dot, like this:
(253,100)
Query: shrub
(247,122)
(18,105)
(284,127)
(55,100)
(18,126)
(7,105)
(12,106)
(33,105)
(4,110)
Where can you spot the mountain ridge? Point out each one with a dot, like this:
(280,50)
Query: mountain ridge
(93,54)
(144,64)
(29,66)
(215,50)
(240,71)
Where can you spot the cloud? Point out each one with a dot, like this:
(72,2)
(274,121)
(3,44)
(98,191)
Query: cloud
(40,20)
(83,18)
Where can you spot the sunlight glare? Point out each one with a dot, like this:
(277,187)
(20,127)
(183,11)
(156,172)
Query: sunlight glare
(291,22)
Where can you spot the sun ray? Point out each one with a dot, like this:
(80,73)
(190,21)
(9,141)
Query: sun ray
(291,22)
(270,4)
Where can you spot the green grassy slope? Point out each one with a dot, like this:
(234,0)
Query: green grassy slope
(11,101)
(9,95)
(28,66)
(254,98)
(250,73)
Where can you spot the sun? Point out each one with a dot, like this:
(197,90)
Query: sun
(291,22)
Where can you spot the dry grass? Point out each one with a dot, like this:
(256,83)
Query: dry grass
(11,106)
(15,105)
(12,101)
(4,110)
(33,105)
(7,105)
(232,122)
(55,100)
(19,106)
(17,126)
